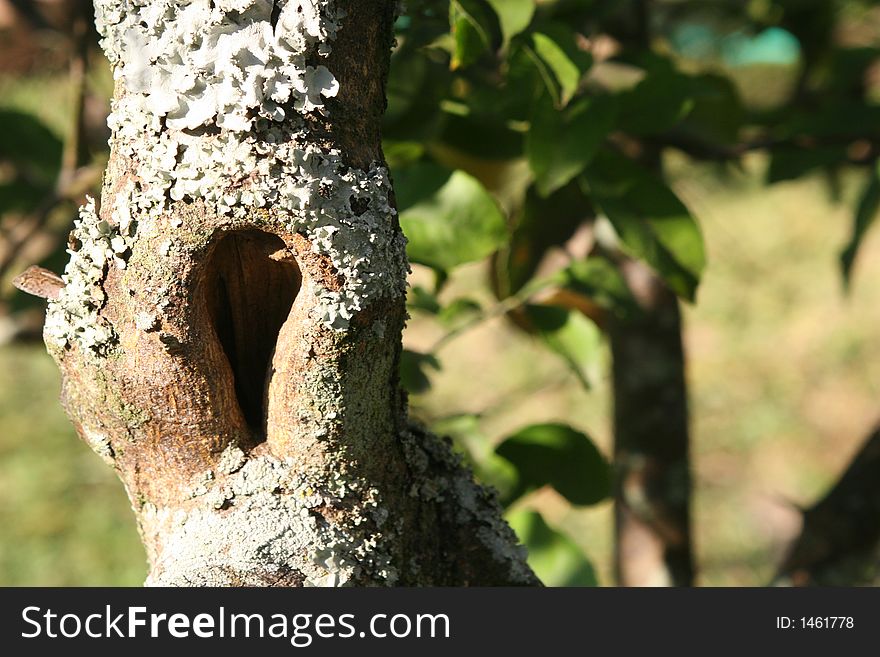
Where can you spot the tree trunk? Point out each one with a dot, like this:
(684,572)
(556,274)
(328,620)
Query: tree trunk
(229,329)
(653,544)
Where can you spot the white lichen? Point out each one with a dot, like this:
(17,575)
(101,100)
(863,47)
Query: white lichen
(444,480)
(95,245)
(146,321)
(231,460)
(260,530)
(213,105)
(100,443)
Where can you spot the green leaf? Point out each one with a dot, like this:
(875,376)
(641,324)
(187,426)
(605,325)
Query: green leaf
(21,195)
(414,184)
(792,163)
(533,235)
(416,86)
(485,137)
(866,213)
(848,68)
(555,558)
(561,143)
(399,154)
(406,79)
(561,62)
(602,282)
(28,143)
(421,299)
(557,455)
(653,224)
(523,84)
(718,113)
(660,101)
(30,156)
(459,223)
(472,29)
(413,370)
(566,72)
(571,335)
(458,310)
(513,15)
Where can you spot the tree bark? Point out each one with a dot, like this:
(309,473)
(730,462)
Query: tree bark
(652,502)
(229,329)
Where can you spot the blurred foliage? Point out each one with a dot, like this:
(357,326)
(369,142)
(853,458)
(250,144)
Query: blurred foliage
(31,154)
(53,142)
(558,456)
(555,558)
(563,110)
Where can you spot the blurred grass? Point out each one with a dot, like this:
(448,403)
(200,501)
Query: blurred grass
(784,366)
(65,519)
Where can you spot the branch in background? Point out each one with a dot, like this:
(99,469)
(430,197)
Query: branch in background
(30,13)
(73,154)
(861,149)
(651,421)
(73,179)
(839,543)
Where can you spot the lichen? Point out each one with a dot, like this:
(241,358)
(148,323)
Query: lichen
(100,443)
(213,103)
(270,523)
(95,245)
(231,460)
(444,480)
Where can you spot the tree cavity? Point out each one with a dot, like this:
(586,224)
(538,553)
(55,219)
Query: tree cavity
(251,283)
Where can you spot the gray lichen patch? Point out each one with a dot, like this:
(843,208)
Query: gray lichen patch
(96,244)
(231,460)
(146,321)
(263,519)
(213,104)
(198,62)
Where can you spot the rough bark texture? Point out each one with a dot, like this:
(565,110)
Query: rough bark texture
(839,543)
(229,333)
(651,438)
